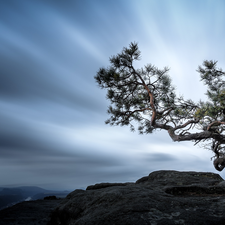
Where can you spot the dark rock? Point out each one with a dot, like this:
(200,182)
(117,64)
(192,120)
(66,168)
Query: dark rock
(141,180)
(105,185)
(163,197)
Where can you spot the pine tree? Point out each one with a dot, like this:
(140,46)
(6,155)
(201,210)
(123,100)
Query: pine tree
(145,99)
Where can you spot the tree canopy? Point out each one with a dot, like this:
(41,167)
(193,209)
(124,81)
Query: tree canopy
(145,99)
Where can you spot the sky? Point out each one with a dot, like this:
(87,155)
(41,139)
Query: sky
(52,113)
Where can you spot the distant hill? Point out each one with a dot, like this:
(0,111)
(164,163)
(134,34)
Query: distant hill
(11,196)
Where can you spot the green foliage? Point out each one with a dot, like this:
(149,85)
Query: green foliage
(213,78)
(129,92)
(146,98)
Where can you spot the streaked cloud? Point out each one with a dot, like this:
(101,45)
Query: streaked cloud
(52,131)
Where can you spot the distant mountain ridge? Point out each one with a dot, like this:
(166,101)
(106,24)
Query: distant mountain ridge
(11,196)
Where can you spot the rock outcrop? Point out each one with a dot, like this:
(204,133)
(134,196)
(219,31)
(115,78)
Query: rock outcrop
(163,197)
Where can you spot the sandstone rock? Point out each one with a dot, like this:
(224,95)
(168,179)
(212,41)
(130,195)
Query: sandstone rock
(163,197)
(104,185)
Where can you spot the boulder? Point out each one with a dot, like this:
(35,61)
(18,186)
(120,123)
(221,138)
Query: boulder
(163,197)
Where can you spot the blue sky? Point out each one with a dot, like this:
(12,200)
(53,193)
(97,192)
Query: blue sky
(52,131)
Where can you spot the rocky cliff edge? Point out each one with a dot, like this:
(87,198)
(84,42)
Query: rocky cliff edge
(163,197)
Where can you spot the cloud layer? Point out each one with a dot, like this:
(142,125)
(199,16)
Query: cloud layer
(52,114)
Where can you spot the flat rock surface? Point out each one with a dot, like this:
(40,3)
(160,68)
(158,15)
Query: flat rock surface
(163,197)
(28,213)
